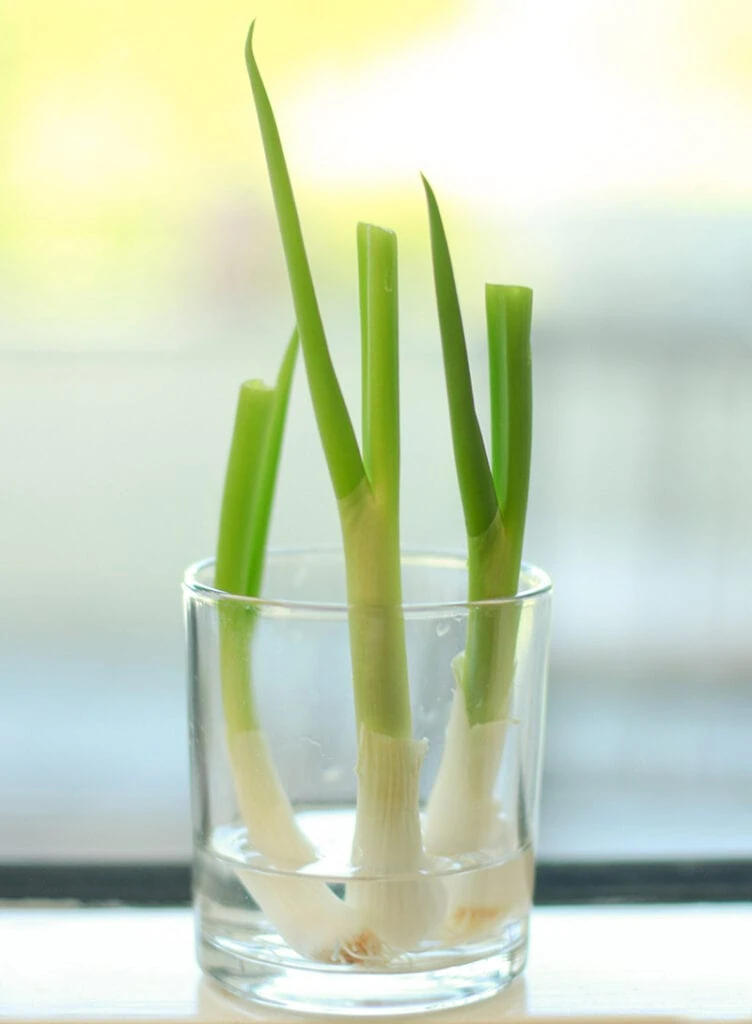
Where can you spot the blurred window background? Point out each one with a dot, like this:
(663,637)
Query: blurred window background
(599,152)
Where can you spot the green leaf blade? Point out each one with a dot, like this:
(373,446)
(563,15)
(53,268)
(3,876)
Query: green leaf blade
(261,511)
(476,484)
(335,427)
(235,554)
(250,482)
(499,384)
(518,309)
(365,394)
(245,468)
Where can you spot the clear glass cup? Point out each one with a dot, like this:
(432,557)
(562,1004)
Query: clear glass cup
(311,893)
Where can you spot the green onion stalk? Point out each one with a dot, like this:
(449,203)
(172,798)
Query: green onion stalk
(305,911)
(393,915)
(462,815)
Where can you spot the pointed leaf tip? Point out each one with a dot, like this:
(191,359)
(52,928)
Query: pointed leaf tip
(249,41)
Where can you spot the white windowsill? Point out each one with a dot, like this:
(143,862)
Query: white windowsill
(119,965)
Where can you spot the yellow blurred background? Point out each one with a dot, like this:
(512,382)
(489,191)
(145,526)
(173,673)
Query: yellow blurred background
(131,179)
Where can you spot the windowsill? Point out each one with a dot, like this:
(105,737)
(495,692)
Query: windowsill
(121,964)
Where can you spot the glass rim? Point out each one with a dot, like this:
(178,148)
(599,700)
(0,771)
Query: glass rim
(446,559)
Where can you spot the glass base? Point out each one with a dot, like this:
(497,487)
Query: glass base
(347,992)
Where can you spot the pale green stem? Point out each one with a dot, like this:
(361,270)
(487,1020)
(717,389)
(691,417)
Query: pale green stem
(488,672)
(370,517)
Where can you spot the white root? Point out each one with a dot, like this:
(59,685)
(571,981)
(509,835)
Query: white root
(264,807)
(464,817)
(305,912)
(388,841)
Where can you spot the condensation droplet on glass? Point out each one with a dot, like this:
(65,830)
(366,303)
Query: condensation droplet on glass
(442,628)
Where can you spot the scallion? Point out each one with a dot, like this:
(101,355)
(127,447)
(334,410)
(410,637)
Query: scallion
(387,833)
(463,815)
(305,911)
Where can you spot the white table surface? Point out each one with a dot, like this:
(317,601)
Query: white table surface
(120,964)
